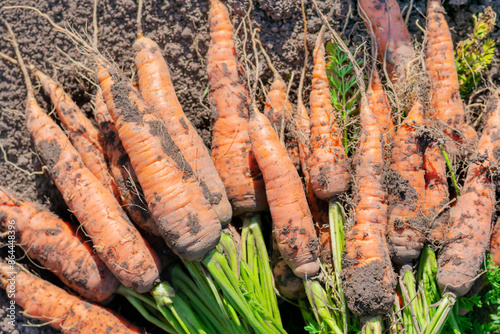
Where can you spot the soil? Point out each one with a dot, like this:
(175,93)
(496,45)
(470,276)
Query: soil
(181,30)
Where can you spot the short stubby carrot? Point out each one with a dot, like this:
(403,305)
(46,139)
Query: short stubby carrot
(444,94)
(52,242)
(231,148)
(158,91)
(468,236)
(393,38)
(82,133)
(495,243)
(328,164)
(178,202)
(379,103)
(292,221)
(368,278)
(407,188)
(122,171)
(48,303)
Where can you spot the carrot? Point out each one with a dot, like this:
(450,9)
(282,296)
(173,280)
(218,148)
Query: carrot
(48,240)
(178,204)
(121,169)
(407,188)
(368,278)
(115,239)
(48,303)
(81,132)
(495,243)
(444,94)
(231,148)
(328,164)
(378,102)
(158,92)
(292,221)
(394,46)
(460,260)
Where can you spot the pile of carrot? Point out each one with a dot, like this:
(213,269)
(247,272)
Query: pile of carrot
(142,181)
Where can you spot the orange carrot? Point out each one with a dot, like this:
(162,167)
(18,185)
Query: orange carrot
(460,260)
(407,189)
(231,148)
(368,278)
(158,91)
(445,102)
(178,204)
(328,164)
(495,243)
(49,240)
(292,221)
(378,102)
(121,169)
(48,303)
(115,239)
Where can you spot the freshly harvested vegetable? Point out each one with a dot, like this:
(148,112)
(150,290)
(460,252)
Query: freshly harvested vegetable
(495,243)
(177,202)
(378,102)
(46,302)
(328,164)
(292,220)
(121,169)
(115,239)
(231,148)
(52,242)
(468,235)
(368,278)
(407,188)
(444,94)
(158,92)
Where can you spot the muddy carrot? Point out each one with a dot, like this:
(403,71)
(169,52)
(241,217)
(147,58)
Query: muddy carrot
(378,102)
(459,262)
(495,243)
(231,147)
(328,164)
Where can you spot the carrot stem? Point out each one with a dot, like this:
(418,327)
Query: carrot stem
(439,319)
(322,304)
(373,325)
(142,310)
(448,163)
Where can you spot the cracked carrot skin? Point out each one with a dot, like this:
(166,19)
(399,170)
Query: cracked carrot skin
(444,94)
(49,240)
(122,171)
(328,164)
(292,221)
(158,92)
(368,278)
(379,103)
(229,97)
(81,132)
(407,189)
(460,260)
(48,303)
(178,202)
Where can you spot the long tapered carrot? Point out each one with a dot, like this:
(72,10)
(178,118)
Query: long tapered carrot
(378,102)
(328,164)
(48,303)
(52,242)
(231,148)
(115,239)
(368,276)
(121,169)
(177,201)
(460,260)
(444,94)
(407,188)
(158,91)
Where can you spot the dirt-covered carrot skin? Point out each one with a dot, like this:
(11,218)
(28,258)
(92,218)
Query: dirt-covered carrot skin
(52,242)
(468,236)
(278,109)
(368,278)
(392,35)
(495,243)
(231,148)
(178,202)
(121,169)
(444,94)
(407,188)
(379,103)
(82,133)
(292,221)
(158,91)
(328,164)
(48,303)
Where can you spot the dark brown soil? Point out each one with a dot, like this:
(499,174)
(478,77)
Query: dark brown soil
(181,30)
